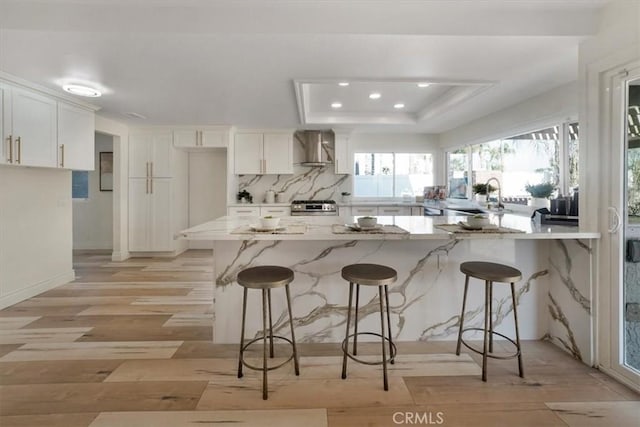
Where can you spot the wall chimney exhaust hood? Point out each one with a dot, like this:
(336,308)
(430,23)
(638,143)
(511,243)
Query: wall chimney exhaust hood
(318,147)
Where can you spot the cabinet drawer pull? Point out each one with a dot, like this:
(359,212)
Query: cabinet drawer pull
(62,155)
(10,159)
(151,175)
(19,154)
(146,188)
(244,211)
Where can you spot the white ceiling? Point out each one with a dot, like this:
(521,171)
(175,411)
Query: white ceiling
(236,62)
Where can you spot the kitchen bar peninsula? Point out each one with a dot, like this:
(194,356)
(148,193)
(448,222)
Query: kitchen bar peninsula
(554,297)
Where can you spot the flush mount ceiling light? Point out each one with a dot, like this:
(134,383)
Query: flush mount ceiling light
(343,84)
(336,105)
(82,90)
(423,84)
(374,95)
(398,106)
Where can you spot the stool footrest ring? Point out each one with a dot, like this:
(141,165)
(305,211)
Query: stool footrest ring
(269,368)
(392,356)
(493,356)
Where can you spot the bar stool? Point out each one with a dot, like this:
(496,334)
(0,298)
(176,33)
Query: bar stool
(490,272)
(369,275)
(266,278)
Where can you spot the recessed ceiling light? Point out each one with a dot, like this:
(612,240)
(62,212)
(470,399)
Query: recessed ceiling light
(343,84)
(398,105)
(82,90)
(336,105)
(374,95)
(423,84)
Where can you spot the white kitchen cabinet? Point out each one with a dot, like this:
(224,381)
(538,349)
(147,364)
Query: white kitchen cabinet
(364,210)
(417,211)
(275,211)
(31,132)
(151,155)
(394,210)
(342,161)
(243,211)
(263,153)
(196,138)
(150,216)
(344,211)
(76,137)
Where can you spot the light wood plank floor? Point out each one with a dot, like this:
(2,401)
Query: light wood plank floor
(129,344)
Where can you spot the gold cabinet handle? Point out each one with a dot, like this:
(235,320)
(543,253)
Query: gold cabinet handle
(147,170)
(19,154)
(151,175)
(146,186)
(62,155)
(151,182)
(10,139)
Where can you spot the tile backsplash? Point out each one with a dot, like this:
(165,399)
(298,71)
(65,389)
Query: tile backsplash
(310,183)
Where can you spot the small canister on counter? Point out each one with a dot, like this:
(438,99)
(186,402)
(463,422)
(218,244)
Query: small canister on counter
(281,197)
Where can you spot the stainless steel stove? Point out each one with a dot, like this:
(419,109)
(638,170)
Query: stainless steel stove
(314,207)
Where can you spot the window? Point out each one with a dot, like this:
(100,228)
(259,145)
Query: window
(545,155)
(80,184)
(391,174)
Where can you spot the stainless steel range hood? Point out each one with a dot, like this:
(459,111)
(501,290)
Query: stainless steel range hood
(318,147)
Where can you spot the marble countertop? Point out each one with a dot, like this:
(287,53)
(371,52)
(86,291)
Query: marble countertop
(418,228)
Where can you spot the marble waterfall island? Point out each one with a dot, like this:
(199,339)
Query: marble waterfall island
(554,297)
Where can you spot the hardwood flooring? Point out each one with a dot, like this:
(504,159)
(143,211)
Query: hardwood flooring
(129,344)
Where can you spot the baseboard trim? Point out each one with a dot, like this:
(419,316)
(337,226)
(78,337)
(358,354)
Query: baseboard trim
(620,378)
(37,288)
(157,254)
(120,256)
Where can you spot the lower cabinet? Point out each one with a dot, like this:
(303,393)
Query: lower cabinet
(150,215)
(275,211)
(364,210)
(394,210)
(243,211)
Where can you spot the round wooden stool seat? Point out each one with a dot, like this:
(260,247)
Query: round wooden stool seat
(265,277)
(369,274)
(491,271)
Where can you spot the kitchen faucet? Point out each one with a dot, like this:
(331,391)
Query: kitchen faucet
(500,205)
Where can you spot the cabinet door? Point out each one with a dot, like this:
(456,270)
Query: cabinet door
(364,210)
(417,211)
(344,211)
(5,124)
(248,154)
(76,138)
(242,211)
(139,202)
(160,209)
(139,155)
(34,119)
(278,153)
(213,139)
(394,210)
(161,155)
(185,138)
(275,211)
(342,160)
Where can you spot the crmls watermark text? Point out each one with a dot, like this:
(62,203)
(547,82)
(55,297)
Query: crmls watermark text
(425,418)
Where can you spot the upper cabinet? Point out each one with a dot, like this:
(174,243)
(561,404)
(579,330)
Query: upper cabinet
(150,155)
(263,153)
(343,162)
(217,137)
(76,137)
(41,130)
(32,129)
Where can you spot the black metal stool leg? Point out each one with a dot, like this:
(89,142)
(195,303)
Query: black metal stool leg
(346,338)
(464,303)
(384,346)
(490,317)
(264,344)
(487,314)
(270,324)
(386,298)
(515,319)
(244,315)
(355,333)
(293,336)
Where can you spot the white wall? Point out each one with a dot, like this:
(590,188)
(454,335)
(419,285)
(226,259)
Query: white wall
(93,217)
(207,189)
(120,135)
(402,142)
(551,107)
(35,231)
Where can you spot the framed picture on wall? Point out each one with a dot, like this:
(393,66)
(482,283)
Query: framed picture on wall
(106,171)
